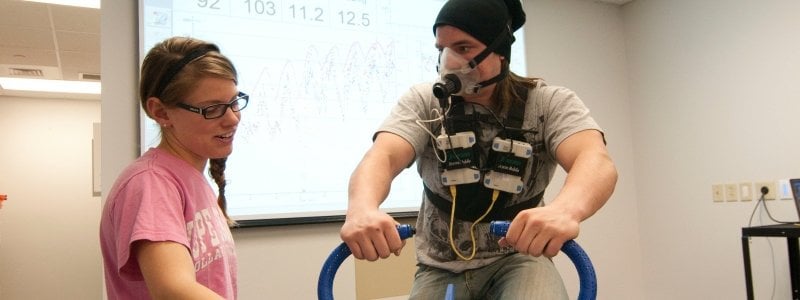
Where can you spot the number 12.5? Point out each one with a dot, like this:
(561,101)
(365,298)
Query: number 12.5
(349,17)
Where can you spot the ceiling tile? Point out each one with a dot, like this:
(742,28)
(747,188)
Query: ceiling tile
(76,41)
(26,37)
(27,56)
(24,14)
(77,19)
(80,62)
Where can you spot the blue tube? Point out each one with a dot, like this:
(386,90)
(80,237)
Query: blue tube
(586,274)
(583,264)
(450,294)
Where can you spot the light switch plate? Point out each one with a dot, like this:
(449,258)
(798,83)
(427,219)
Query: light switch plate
(731,192)
(718,192)
(746,191)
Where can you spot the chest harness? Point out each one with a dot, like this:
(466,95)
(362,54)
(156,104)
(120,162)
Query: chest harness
(485,183)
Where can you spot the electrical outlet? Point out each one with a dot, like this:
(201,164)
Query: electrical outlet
(731,192)
(717,192)
(773,189)
(746,191)
(784,190)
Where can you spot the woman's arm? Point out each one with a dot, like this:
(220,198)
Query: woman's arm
(169,272)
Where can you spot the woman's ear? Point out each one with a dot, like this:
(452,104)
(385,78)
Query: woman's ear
(158,111)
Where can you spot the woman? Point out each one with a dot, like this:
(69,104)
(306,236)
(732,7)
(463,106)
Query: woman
(164,233)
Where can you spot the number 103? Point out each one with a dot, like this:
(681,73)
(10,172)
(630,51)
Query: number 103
(260,7)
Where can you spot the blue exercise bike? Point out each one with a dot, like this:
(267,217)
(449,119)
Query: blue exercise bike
(586,274)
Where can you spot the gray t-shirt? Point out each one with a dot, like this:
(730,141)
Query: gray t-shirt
(554,112)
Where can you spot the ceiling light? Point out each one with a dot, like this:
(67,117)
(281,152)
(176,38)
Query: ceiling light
(49,86)
(81,3)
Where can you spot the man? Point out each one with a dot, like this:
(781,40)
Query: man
(486,142)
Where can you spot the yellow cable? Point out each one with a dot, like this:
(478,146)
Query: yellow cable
(452,216)
(495,195)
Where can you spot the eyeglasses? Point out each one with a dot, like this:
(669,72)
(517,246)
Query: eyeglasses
(218,110)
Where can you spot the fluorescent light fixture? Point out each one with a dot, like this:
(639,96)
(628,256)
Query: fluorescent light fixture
(49,86)
(81,3)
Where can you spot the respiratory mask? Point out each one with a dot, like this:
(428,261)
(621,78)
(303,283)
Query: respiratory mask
(457,75)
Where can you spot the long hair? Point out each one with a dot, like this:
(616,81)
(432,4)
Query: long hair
(216,168)
(157,81)
(507,90)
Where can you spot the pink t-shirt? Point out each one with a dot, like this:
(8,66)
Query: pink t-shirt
(160,197)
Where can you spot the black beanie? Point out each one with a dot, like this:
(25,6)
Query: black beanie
(485,20)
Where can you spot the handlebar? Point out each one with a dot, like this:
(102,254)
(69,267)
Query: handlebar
(586,274)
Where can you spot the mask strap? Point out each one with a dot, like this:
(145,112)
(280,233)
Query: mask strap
(496,43)
(481,56)
(503,74)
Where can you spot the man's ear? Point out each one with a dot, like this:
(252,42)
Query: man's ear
(158,111)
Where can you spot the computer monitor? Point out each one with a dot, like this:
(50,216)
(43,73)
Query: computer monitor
(795,184)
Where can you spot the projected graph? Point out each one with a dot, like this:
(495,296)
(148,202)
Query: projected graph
(322,76)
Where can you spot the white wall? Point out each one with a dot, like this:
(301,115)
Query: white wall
(580,45)
(690,93)
(48,226)
(714,92)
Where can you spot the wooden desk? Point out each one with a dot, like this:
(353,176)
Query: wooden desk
(791,232)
